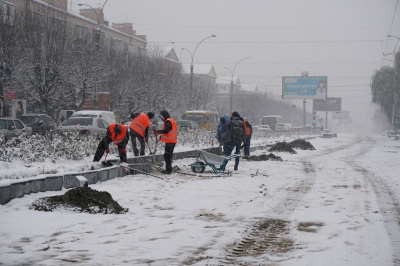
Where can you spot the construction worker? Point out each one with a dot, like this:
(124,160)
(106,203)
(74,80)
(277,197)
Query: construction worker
(117,133)
(169,135)
(139,129)
(248,129)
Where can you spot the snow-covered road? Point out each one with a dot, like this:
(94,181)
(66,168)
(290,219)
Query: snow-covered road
(336,205)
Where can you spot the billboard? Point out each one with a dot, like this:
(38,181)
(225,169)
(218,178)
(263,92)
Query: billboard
(331,104)
(305,87)
(341,115)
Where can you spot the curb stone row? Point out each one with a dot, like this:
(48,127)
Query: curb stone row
(56,182)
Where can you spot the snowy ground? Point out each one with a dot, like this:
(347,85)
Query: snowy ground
(336,205)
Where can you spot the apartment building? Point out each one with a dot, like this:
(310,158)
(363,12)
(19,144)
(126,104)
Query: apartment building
(89,23)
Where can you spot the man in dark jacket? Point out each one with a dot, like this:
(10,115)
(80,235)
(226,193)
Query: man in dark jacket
(169,135)
(237,135)
(118,134)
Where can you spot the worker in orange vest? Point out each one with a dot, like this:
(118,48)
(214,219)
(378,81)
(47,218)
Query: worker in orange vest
(169,135)
(118,134)
(248,129)
(139,129)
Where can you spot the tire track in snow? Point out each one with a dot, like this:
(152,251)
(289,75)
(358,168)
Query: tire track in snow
(388,202)
(270,235)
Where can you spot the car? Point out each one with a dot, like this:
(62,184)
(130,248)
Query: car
(264,128)
(187,125)
(297,129)
(39,123)
(13,127)
(108,116)
(85,125)
(327,133)
(283,127)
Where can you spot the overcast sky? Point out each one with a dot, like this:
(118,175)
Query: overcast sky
(342,39)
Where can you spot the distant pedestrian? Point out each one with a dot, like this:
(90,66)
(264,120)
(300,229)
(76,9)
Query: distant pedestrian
(222,134)
(139,129)
(225,134)
(169,135)
(248,131)
(118,134)
(237,136)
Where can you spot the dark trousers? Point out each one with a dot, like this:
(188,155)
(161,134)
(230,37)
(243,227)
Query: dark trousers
(247,146)
(102,148)
(135,135)
(168,153)
(231,146)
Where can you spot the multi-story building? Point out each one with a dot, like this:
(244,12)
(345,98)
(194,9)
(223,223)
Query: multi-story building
(89,23)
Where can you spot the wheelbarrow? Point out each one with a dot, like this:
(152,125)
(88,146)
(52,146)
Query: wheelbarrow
(216,162)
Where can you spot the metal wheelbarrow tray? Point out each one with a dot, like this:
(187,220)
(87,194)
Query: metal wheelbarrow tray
(216,162)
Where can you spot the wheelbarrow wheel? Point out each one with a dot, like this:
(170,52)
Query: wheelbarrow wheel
(198,167)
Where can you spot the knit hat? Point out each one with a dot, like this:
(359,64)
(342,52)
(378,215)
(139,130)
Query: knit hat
(117,129)
(150,115)
(165,114)
(235,114)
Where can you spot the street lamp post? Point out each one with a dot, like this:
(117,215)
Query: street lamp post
(395,96)
(268,84)
(99,23)
(232,73)
(191,65)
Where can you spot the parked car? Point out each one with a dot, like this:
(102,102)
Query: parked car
(283,127)
(264,128)
(188,125)
(108,116)
(85,125)
(13,127)
(39,122)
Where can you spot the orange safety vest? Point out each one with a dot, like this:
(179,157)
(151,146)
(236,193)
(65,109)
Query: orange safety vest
(172,135)
(140,123)
(117,138)
(246,129)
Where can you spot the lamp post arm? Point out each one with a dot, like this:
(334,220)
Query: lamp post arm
(94,10)
(200,43)
(191,55)
(238,63)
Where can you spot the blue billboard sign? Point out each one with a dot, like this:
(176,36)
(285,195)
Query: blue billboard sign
(305,87)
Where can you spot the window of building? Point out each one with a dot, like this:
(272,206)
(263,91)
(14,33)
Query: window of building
(116,44)
(37,20)
(81,32)
(7,13)
(98,36)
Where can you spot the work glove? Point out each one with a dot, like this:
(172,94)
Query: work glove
(107,150)
(123,150)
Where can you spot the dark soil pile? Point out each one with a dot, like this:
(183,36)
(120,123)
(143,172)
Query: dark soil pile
(82,199)
(283,146)
(263,157)
(301,144)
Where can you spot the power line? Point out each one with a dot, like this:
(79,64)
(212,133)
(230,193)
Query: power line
(390,29)
(261,28)
(295,63)
(272,42)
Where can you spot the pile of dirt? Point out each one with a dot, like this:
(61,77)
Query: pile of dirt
(301,144)
(263,157)
(283,146)
(82,199)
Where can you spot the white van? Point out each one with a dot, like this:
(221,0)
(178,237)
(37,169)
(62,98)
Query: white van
(108,116)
